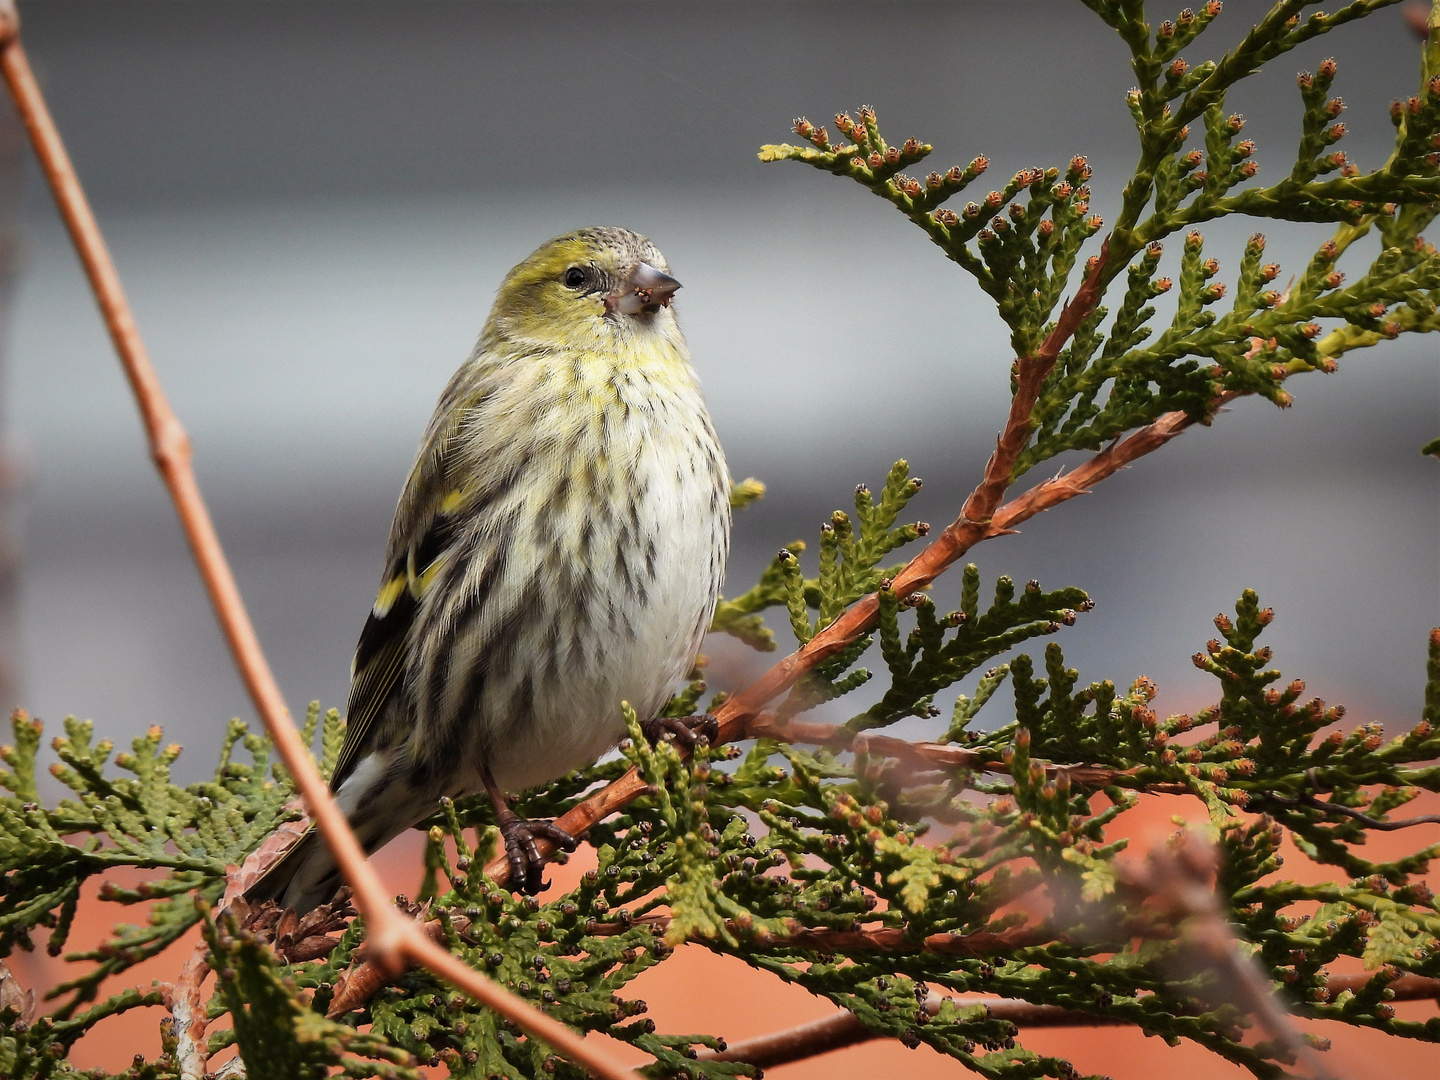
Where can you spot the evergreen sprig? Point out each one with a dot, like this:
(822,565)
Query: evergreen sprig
(851,548)
(1116,377)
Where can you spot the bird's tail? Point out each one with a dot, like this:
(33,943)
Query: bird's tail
(303,878)
(380,803)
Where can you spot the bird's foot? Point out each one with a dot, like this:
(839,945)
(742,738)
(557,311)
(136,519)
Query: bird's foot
(686,732)
(527,862)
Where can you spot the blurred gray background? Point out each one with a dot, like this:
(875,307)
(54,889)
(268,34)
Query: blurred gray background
(311,205)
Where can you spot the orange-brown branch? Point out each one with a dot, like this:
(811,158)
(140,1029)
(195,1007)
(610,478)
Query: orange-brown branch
(842,1029)
(932,755)
(1030,375)
(187,1011)
(396,940)
(362,982)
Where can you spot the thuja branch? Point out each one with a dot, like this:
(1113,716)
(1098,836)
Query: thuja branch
(1030,375)
(843,1028)
(366,979)
(395,939)
(930,755)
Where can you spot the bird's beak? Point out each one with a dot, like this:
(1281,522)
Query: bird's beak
(646,289)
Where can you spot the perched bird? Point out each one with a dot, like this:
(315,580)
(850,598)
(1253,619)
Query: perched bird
(558,549)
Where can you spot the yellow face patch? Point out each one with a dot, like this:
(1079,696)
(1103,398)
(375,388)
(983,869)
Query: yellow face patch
(535,305)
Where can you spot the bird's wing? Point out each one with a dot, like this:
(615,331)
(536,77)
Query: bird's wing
(424,526)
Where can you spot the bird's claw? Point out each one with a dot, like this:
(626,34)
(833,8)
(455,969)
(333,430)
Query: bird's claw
(686,732)
(527,862)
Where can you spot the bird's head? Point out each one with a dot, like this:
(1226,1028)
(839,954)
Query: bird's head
(587,288)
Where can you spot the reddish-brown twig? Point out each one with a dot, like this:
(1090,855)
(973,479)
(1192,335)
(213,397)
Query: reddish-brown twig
(395,940)
(934,755)
(842,1029)
(187,1012)
(365,980)
(1030,374)
(1179,880)
(1326,807)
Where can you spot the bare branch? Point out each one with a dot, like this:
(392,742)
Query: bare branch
(1030,373)
(1349,811)
(363,981)
(1180,878)
(187,1012)
(842,1029)
(935,755)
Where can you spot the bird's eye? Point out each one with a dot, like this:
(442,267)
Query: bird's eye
(573,278)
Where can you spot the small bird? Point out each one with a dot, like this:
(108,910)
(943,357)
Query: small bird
(558,549)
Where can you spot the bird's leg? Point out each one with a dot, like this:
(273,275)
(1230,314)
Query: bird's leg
(520,834)
(684,731)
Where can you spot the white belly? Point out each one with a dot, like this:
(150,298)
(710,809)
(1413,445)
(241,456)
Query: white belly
(647,575)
